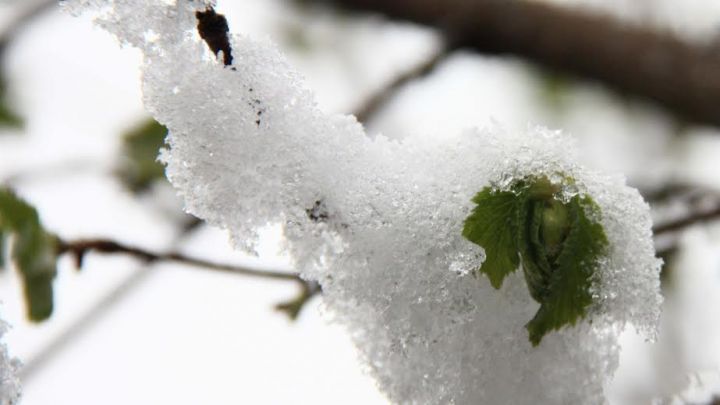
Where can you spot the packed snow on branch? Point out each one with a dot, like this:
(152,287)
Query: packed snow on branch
(9,366)
(379,223)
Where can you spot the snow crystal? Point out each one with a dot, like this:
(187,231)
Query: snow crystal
(9,382)
(379,223)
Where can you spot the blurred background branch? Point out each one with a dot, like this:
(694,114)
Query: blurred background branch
(693,218)
(376,101)
(27,13)
(632,59)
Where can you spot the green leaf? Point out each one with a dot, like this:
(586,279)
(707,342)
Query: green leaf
(140,168)
(39,297)
(555,226)
(34,253)
(569,286)
(8,117)
(558,244)
(493,225)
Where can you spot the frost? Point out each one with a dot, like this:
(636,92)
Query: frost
(379,223)
(9,382)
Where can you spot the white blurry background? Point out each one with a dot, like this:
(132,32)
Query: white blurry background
(125,332)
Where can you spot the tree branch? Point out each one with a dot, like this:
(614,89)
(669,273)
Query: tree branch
(213,29)
(378,100)
(94,313)
(691,219)
(24,17)
(78,249)
(293,307)
(657,66)
(671,191)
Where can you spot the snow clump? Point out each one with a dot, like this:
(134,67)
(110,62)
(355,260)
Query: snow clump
(9,382)
(378,223)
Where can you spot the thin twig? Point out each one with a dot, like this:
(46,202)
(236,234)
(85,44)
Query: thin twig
(293,307)
(97,311)
(308,289)
(80,248)
(670,191)
(377,100)
(679,76)
(691,219)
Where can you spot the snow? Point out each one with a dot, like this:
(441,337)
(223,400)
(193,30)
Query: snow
(249,148)
(9,382)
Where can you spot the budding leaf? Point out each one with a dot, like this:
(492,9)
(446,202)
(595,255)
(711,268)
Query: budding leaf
(140,167)
(34,253)
(558,244)
(535,264)
(493,225)
(568,295)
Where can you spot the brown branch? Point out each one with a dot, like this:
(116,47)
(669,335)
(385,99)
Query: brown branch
(691,219)
(672,191)
(681,77)
(293,307)
(94,313)
(27,15)
(378,100)
(78,249)
(213,29)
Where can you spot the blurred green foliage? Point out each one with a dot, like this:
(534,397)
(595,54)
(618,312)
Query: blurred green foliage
(8,117)
(554,88)
(140,167)
(34,252)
